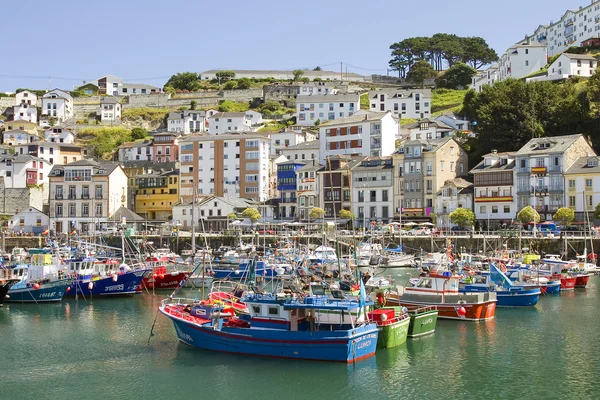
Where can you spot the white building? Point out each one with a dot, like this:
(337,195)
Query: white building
(494,189)
(310,109)
(569,65)
(114,86)
(370,134)
(307,181)
(403,103)
(426,129)
(25,112)
(58,104)
(285,75)
(187,122)
(284,139)
(84,194)
(231,122)
(373,191)
(486,77)
(454,121)
(521,60)
(59,134)
(140,150)
(55,153)
(29,220)
(583,187)
(26,97)
(15,138)
(110,110)
(20,171)
(308,150)
(212,210)
(454,194)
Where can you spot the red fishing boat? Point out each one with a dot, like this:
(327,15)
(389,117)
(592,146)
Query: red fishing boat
(440,290)
(161,277)
(230,294)
(558,269)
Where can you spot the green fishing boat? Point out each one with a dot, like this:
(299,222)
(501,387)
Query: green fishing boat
(422,321)
(393,326)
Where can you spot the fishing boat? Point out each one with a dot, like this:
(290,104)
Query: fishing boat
(393,326)
(508,293)
(36,283)
(6,282)
(558,269)
(95,277)
(422,321)
(278,325)
(160,276)
(242,270)
(522,275)
(230,294)
(441,290)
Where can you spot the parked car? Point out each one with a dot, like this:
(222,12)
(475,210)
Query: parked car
(460,230)
(419,232)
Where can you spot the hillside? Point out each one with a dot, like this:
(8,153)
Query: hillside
(446,100)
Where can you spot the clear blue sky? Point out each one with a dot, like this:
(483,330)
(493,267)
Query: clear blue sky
(149,40)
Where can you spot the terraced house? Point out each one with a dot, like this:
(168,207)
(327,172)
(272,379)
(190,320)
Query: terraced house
(155,194)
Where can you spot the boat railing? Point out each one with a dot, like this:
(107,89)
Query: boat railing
(424,309)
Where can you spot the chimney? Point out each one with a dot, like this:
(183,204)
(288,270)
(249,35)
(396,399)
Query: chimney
(494,151)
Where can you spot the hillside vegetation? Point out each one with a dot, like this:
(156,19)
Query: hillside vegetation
(447,100)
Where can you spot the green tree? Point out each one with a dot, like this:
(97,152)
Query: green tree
(462,217)
(138,133)
(420,71)
(316,213)
(317,68)
(252,214)
(184,81)
(346,214)
(597,211)
(457,76)
(225,75)
(230,85)
(52,121)
(477,52)
(528,214)
(244,83)
(564,215)
(193,104)
(298,73)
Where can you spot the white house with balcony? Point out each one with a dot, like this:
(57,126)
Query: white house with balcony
(495,199)
(58,134)
(402,103)
(453,194)
(373,191)
(187,122)
(58,104)
(369,134)
(310,109)
(110,110)
(84,194)
(232,122)
(540,168)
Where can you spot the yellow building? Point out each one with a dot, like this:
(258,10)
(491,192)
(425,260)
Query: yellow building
(155,194)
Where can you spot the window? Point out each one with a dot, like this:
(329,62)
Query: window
(506,209)
(59,210)
(571,183)
(373,195)
(588,183)
(571,201)
(482,210)
(441,165)
(98,210)
(494,209)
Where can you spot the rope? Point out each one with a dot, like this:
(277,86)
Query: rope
(152,329)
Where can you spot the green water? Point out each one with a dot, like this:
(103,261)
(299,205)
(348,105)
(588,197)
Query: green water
(99,350)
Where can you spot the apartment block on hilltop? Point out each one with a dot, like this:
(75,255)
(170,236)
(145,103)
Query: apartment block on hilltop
(310,109)
(285,75)
(111,85)
(225,165)
(287,93)
(494,187)
(232,122)
(402,103)
(540,168)
(368,134)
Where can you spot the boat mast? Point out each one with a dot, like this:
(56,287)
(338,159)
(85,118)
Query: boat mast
(193,221)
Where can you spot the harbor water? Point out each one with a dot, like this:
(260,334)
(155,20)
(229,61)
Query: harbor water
(101,349)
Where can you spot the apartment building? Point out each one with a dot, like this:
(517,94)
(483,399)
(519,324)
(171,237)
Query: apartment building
(494,187)
(307,181)
(335,184)
(85,194)
(368,134)
(58,104)
(111,85)
(421,168)
(454,194)
(55,153)
(155,194)
(373,191)
(569,65)
(310,109)
(305,151)
(540,168)
(583,187)
(402,103)
(232,122)
(286,138)
(287,186)
(226,165)
(187,122)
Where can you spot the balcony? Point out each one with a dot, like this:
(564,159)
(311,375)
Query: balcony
(72,196)
(557,188)
(555,168)
(429,173)
(490,199)
(539,170)
(85,196)
(31,181)
(58,197)
(429,191)
(542,208)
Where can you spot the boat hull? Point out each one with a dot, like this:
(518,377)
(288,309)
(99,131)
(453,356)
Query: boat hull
(567,283)
(525,298)
(126,284)
(473,312)
(48,292)
(550,288)
(581,281)
(422,323)
(167,281)
(4,288)
(392,334)
(339,346)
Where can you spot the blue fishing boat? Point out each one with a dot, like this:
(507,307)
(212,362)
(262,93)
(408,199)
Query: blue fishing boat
(525,276)
(508,293)
(278,325)
(242,270)
(36,284)
(102,278)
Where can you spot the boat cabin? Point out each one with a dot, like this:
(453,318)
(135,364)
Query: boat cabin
(83,267)
(436,284)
